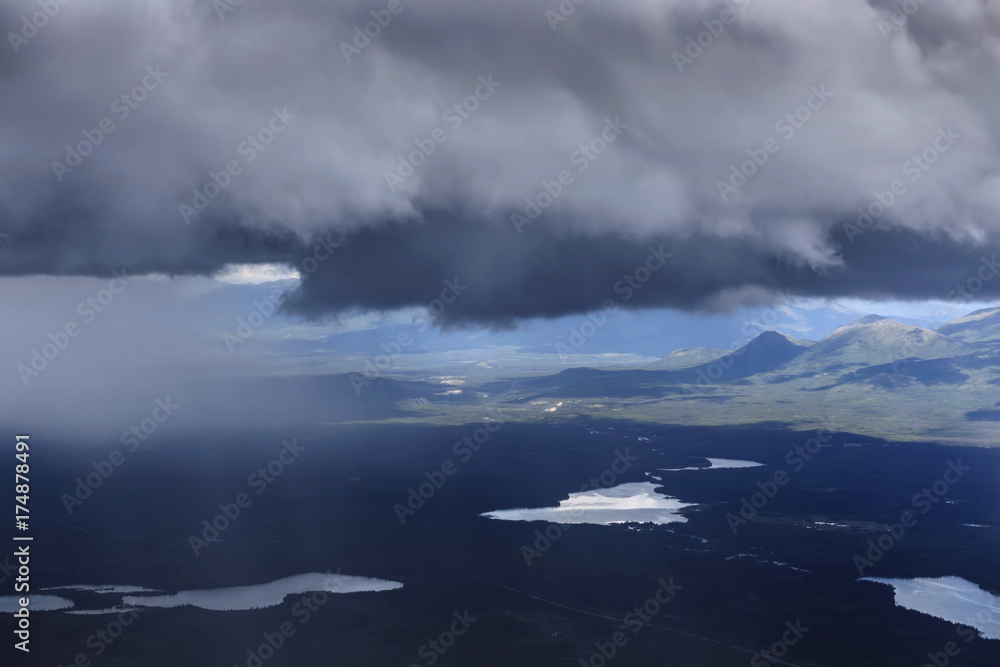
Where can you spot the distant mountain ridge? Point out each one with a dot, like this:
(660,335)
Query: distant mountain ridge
(979,326)
(875,340)
(766,352)
(875,374)
(895,354)
(686,357)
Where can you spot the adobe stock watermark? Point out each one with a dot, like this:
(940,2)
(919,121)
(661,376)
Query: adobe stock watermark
(698,44)
(796,459)
(587,329)
(899,16)
(924,501)
(581,158)
(786,127)
(913,169)
(622,462)
(264,309)
(258,481)
(122,107)
(433,649)
(303,611)
(633,282)
(775,653)
(952,649)
(562,12)
(378,365)
(967,290)
(363,36)
(636,621)
(627,287)
(464,449)
(248,149)
(988,270)
(105,637)
(132,438)
(322,250)
(223,7)
(254,320)
(751,328)
(454,117)
(30,25)
(88,310)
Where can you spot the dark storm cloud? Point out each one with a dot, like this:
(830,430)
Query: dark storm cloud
(72,234)
(546,275)
(302,126)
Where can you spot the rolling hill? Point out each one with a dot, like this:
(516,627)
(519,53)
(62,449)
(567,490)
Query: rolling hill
(687,357)
(978,327)
(876,340)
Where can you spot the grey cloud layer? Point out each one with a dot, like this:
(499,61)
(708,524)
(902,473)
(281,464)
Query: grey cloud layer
(657,183)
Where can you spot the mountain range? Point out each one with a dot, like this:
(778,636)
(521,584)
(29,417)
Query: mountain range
(874,375)
(869,342)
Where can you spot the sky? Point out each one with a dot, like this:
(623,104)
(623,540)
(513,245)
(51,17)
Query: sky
(536,157)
